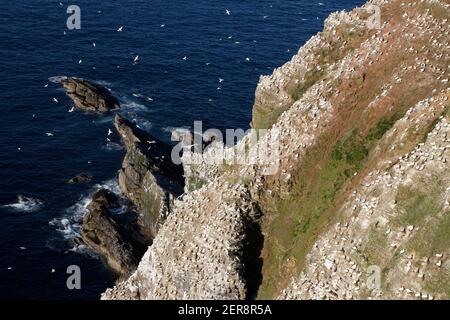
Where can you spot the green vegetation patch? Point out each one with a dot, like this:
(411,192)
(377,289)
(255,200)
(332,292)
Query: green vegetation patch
(320,178)
(416,204)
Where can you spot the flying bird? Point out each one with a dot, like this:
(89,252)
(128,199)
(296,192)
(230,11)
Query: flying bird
(49,134)
(220,80)
(136,58)
(184,58)
(109,132)
(93,44)
(227,12)
(71,109)
(55,100)
(80,61)
(120,29)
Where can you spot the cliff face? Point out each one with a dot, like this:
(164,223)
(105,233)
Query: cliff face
(362,185)
(148,177)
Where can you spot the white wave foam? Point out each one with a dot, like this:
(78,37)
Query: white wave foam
(142,124)
(104,119)
(57,79)
(168,129)
(25,204)
(113,146)
(69,224)
(128,104)
(104,83)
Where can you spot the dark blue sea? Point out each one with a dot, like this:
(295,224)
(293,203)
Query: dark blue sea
(42,145)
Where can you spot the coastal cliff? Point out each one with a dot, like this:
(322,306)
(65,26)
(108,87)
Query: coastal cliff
(362,181)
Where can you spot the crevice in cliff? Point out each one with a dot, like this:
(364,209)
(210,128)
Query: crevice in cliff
(252,247)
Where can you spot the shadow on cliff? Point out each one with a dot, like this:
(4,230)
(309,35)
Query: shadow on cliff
(253,262)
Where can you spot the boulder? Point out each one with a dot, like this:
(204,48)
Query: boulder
(80,178)
(116,238)
(148,176)
(89,96)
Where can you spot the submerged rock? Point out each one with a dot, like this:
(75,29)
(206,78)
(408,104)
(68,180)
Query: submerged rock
(148,176)
(80,178)
(116,239)
(89,96)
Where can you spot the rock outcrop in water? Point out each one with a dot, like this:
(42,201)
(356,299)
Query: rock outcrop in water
(151,181)
(359,205)
(89,96)
(79,178)
(116,238)
(148,176)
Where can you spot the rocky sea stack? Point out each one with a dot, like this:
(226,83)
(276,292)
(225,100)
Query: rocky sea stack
(89,96)
(148,176)
(151,181)
(115,237)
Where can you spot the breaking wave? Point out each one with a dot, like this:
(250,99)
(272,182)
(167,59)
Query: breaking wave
(25,204)
(69,224)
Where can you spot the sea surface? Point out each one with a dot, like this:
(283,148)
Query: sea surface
(195,63)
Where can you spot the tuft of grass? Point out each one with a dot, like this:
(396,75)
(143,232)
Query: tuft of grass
(297,91)
(415,205)
(265,119)
(195,183)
